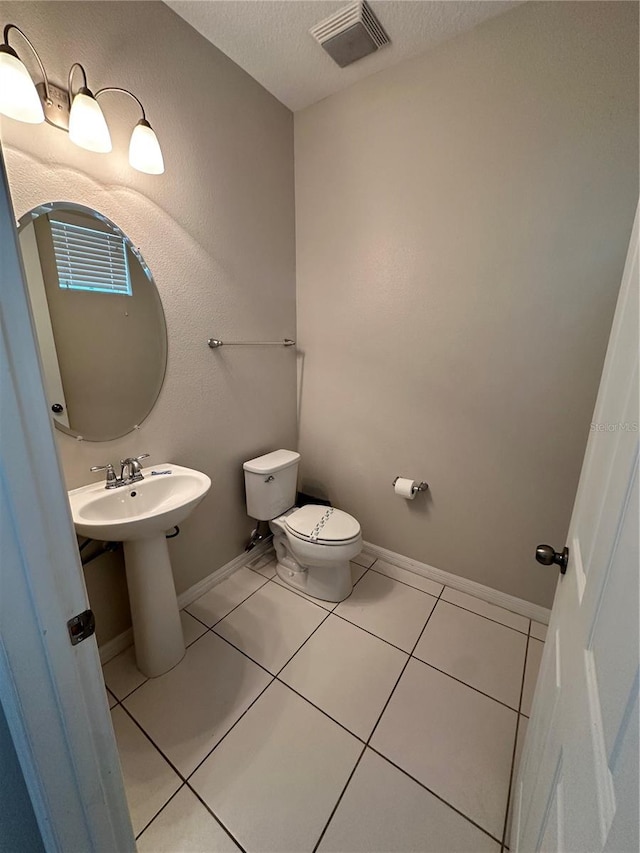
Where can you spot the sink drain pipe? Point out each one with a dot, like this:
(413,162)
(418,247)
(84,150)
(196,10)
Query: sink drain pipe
(105,548)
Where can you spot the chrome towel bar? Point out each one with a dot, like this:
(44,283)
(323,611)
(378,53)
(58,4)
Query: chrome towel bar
(214,343)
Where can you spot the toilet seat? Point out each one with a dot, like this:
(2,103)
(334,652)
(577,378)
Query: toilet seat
(318,524)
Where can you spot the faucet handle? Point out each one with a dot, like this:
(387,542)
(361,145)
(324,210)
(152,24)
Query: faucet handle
(111,474)
(136,468)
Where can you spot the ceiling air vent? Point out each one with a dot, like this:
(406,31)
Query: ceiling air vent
(350,34)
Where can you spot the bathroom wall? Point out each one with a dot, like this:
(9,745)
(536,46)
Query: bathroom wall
(217,230)
(462,221)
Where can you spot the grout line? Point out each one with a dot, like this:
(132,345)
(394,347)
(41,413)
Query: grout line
(195,617)
(357,582)
(326,826)
(131,692)
(488,618)
(322,711)
(375,560)
(243,653)
(455,604)
(464,683)
(304,643)
(393,690)
(135,689)
(213,748)
(161,809)
(433,793)
(215,817)
(239,604)
(377,636)
(515,745)
(256,572)
(410,585)
(151,740)
(257,663)
(342,793)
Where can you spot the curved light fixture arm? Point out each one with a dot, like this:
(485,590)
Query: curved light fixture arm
(70,80)
(45,79)
(124,92)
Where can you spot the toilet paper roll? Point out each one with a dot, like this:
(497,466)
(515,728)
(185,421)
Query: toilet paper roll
(405,488)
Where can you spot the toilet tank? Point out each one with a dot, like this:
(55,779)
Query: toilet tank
(270,482)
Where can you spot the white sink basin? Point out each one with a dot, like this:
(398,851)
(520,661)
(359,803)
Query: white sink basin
(138,515)
(141,510)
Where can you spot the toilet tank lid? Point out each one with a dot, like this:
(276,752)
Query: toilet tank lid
(272,462)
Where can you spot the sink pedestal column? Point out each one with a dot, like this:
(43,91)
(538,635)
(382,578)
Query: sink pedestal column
(157,630)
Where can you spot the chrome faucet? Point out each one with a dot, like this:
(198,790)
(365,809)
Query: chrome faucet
(130,472)
(131,469)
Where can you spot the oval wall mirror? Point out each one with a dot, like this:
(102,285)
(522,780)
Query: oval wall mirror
(98,318)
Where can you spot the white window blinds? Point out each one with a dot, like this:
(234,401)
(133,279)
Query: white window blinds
(88,259)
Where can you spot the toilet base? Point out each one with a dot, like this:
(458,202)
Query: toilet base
(329,583)
(321,571)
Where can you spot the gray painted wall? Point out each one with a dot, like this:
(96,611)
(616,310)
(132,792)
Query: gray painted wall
(217,230)
(462,222)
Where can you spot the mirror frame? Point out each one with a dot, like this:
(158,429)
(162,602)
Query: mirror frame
(74,207)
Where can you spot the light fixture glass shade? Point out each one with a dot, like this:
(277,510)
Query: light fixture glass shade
(144,149)
(18,96)
(87,124)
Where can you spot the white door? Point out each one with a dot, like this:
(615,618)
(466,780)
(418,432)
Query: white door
(51,691)
(577,788)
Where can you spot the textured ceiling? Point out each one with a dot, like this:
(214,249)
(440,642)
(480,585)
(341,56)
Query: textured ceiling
(270,38)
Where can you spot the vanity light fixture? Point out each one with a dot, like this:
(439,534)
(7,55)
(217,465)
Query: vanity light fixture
(78,113)
(144,149)
(87,125)
(19,98)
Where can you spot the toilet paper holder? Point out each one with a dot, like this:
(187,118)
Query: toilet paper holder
(421,487)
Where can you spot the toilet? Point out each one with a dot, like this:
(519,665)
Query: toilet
(313,543)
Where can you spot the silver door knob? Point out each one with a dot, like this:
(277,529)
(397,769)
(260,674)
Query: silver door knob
(547,556)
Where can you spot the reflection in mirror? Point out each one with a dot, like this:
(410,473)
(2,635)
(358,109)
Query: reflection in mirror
(98,318)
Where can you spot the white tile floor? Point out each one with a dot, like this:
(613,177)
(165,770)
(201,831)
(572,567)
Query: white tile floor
(390,722)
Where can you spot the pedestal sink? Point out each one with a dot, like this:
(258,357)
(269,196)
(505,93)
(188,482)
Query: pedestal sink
(138,516)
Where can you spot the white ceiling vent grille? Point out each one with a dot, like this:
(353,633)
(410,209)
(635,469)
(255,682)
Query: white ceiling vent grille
(350,34)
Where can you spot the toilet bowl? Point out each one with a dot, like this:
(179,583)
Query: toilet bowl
(314,560)
(313,543)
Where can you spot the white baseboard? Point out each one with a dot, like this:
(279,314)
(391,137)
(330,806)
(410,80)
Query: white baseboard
(189,595)
(486,593)
(115,646)
(118,644)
